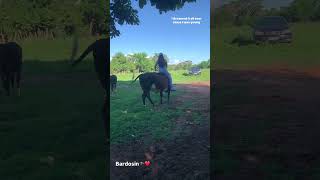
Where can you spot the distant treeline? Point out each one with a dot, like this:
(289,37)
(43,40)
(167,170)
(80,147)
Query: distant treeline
(141,62)
(245,12)
(49,19)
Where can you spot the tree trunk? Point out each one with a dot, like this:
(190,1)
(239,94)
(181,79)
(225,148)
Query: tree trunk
(52,35)
(28,35)
(91,27)
(15,36)
(2,38)
(19,35)
(35,35)
(47,33)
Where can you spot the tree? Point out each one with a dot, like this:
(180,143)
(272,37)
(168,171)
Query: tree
(183,65)
(238,12)
(304,10)
(22,19)
(204,64)
(142,62)
(122,12)
(165,5)
(119,63)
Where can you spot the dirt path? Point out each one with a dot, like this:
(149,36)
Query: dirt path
(266,124)
(186,156)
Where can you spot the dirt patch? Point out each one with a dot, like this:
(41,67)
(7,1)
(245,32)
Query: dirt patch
(285,70)
(184,156)
(314,72)
(266,123)
(202,88)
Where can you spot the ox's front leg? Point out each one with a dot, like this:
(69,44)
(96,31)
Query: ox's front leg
(161,94)
(6,83)
(2,79)
(169,95)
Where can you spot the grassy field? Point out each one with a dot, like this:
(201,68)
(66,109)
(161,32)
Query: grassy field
(179,129)
(303,52)
(54,130)
(177,76)
(264,120)
(52,50)
(130,119)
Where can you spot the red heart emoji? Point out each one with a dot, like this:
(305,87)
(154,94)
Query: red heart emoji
(147,163)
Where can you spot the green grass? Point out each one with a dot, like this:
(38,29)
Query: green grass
(302,53)
(131,120)
(178,76)
(52,50)
(59,116)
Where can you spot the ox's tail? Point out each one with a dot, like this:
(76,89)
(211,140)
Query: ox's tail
(84,54)
(136,78)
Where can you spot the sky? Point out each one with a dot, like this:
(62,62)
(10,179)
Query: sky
(157,33)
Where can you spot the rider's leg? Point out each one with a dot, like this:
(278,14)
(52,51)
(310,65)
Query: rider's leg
(165,72)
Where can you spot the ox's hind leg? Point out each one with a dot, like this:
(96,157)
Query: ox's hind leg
(169,90)
(18,79)
(144,95)
(148,96)
(12,79)
(18,73)
(103,82)
(115,86)
(3,81)
(6,83)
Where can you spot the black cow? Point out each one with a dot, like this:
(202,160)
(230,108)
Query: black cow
(101,55)
(113,82)
(10,65)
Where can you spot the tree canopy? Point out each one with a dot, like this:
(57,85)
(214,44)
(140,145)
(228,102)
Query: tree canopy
(245,12)
(122,12)
(22,19)
(141,62)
